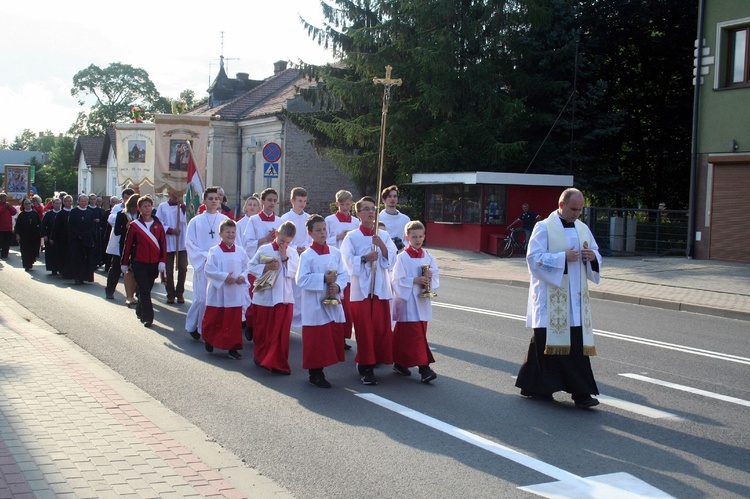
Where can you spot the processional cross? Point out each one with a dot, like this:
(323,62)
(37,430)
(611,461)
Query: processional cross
(388,83)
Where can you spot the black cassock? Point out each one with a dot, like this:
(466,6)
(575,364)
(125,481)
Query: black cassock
(27,229)
(81,243)
(51,259)
(59,237)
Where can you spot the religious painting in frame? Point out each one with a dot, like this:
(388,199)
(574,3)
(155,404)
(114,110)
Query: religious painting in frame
(136,151)
(178,155)
(17,182)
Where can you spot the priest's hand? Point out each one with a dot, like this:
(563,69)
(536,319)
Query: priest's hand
(274,265)
(587,255)
(571,254)
(240,280)
(230,279)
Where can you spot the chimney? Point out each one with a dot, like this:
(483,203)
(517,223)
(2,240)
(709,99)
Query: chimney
(243,76)
(278,67)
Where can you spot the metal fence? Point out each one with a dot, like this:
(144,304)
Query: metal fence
(631,231)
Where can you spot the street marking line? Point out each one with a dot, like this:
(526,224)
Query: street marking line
(696,391)
(618,336)
(637,408)
(568,484)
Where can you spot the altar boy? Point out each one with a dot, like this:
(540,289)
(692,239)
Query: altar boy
(411,312)
(226,268)
(273,306)
(321,274)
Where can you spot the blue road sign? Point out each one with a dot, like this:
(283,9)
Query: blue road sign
(270,170)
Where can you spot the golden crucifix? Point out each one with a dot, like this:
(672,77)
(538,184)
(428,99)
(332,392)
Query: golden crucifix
(387,83)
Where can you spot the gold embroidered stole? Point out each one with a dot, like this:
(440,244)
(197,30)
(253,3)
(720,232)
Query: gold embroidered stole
(558,298)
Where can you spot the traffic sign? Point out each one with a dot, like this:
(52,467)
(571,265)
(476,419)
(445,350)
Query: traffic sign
(270,170)
(272,152)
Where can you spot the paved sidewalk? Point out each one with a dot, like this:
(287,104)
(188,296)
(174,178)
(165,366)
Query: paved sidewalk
(675,283)
(71,427)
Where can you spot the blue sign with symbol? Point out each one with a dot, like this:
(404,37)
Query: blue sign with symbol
(272,152)
(270,170)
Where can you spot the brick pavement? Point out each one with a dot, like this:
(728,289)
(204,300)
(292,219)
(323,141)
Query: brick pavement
(71,427)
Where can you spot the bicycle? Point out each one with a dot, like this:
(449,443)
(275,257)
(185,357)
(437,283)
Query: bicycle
(512,244)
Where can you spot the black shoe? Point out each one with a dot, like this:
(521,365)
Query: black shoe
(195,334)
(209,348)
(147,324)
(180,299)
(248,333)
(546,397)
(233,354)
(347,346)
(54,273)
(320,381)
(109,296)
(279,371)
(369,379)
(170,301)
(586,402)
(399,369)
(427,374)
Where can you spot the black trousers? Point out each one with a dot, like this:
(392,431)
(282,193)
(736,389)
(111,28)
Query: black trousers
(113,276)
(5,237)
(145,274)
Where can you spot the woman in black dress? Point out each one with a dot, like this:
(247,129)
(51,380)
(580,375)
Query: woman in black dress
(27,234)
(51,260)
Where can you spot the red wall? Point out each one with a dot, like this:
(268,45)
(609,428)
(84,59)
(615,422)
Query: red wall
(475,237)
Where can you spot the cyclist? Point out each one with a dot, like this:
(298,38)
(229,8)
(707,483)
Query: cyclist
(527,219)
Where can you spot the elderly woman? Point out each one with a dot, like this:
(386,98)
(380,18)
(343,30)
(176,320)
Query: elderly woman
(81,241)
(52,260)
(58,239)
(27,233)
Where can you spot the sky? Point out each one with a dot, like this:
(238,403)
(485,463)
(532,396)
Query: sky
(44,44)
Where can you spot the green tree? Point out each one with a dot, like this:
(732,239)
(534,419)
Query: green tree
(116,89)
(24,141)
(452,112)
(60,174)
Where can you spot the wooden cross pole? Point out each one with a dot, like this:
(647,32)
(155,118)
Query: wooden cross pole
(388,83)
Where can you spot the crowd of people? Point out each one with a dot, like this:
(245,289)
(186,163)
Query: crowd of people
(257,278)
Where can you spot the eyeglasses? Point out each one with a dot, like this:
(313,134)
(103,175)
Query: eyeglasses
(367,209)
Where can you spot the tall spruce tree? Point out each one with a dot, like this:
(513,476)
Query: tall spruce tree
(453,111)
(595,88)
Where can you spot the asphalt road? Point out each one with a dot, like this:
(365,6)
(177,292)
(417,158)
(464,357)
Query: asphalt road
(468,434)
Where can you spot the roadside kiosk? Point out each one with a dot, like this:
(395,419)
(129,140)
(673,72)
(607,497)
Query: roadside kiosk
(470,210)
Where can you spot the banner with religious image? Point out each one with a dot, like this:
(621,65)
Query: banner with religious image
(173,132)
(135,154)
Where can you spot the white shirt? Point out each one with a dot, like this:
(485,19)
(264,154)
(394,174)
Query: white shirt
(167,215)
(311,280)
(256,229)
(335,227)
(282,290)
(219,264)
(198,239)
(548,268)
(301,237)
(353,248)
(394,224)
(407,305)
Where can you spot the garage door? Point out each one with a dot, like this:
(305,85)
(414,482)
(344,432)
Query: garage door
(730,227)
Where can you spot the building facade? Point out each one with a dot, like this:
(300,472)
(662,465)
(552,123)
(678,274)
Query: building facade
(722,174)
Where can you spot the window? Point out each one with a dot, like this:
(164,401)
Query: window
(458,203)
(737,57)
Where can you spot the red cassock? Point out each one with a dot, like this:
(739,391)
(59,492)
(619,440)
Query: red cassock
(410,344)
(271,335)
(322,346)
(372,323)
